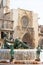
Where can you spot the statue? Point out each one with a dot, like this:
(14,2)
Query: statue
(12,53)
(38,53)
(17,43)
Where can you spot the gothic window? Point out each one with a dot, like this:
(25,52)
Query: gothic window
(1,24)
(5,24)
(10,25)
(24,21)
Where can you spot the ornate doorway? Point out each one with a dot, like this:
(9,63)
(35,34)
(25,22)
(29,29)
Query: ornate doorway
(28,39)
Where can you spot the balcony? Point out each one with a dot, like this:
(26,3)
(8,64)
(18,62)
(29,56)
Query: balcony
(5,29)
(2,28)
(6,25)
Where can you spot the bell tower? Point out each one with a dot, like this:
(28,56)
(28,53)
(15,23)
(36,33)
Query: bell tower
(6,4)
(1,3)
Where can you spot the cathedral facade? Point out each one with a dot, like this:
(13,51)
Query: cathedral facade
(26,26)
(20,23)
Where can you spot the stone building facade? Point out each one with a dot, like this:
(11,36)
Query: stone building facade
(23,23)
(26,26)
(6,21)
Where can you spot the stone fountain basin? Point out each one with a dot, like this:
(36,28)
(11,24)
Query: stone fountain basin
(7,62)
(4,61)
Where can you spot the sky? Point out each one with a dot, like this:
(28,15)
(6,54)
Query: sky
(32,5)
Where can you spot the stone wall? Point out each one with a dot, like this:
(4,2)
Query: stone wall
(18,54)
(24,55)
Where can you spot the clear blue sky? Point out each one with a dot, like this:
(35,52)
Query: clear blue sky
(33,5)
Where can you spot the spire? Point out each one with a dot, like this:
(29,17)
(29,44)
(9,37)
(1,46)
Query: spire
(1,3)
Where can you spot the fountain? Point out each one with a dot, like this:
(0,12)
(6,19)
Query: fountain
(20,56)
(28,54)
